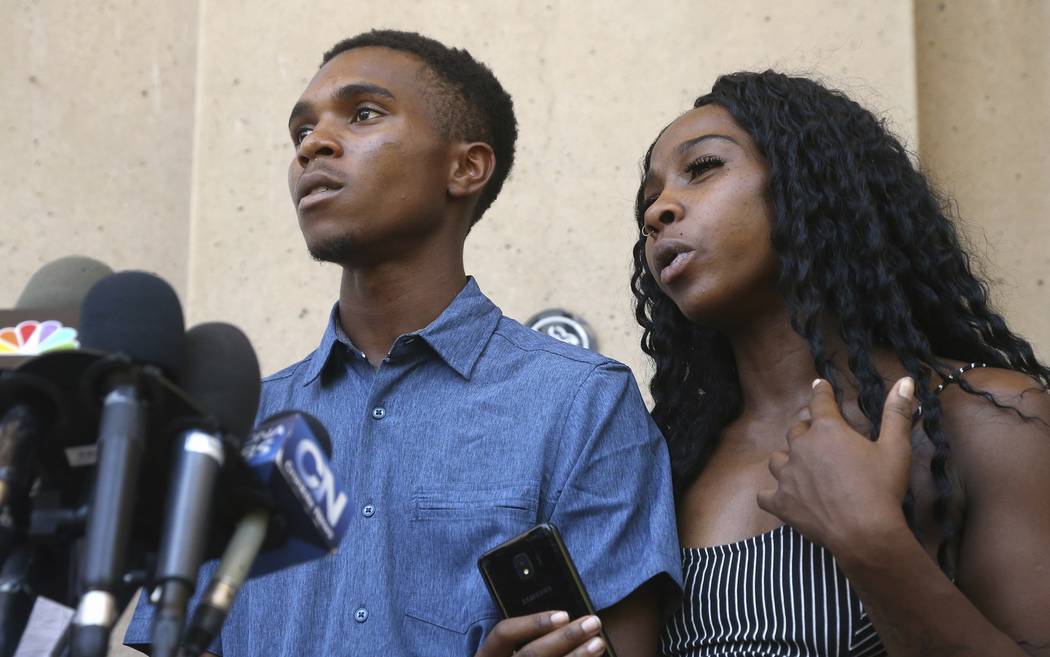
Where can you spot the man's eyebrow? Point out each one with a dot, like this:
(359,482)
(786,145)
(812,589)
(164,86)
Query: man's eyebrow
(344,93)
(300,108)
(349,91)
(689,143)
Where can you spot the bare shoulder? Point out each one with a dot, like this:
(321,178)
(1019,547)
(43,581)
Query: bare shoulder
(1016,396)
(1001,453)
(1007,434)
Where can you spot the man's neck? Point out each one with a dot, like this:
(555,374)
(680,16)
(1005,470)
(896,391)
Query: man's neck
(379,303)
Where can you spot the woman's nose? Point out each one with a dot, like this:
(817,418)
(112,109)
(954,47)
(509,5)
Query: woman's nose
(662,213)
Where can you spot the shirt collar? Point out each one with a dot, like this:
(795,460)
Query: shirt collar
(317,360)
(458,335)
(462,331)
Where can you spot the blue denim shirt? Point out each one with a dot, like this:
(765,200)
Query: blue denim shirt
(471,431)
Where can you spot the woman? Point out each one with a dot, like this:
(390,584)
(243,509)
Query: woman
(898,505)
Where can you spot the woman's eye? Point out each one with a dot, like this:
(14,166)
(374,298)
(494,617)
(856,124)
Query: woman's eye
(300,134)
(703,164)
(363,114)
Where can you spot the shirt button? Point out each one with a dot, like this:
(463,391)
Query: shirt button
(368,511)
(361,615)
(378,413)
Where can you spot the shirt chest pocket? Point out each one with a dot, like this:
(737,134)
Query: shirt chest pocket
(448,530)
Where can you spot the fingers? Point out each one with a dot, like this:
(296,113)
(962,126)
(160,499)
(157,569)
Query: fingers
(510,633)
(767,501)
(897,413)
(544,635)
(804,415)
(796,431)
(577,639)
(777,461)
(822,402)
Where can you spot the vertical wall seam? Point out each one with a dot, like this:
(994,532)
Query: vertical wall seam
(195,152)
(917,57)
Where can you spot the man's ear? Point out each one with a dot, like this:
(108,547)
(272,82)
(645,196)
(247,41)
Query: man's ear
(471,169)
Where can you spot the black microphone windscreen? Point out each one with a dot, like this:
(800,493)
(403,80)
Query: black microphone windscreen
(136,314)
(62,283)
(222,375)
(320,433)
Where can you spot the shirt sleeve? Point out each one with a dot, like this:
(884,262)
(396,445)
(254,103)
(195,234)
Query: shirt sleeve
(140,628)
(615,509)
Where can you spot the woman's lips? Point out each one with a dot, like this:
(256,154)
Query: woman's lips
(675,267)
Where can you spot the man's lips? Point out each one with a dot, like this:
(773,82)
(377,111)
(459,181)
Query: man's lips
(315,187)
(670,258)
(319,195)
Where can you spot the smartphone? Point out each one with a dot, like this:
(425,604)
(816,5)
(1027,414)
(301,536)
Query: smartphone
(533,572)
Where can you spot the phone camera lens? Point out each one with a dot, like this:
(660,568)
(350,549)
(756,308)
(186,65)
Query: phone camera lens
(523,566)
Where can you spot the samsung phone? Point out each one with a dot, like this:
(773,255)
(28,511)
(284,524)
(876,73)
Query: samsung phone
(533,572)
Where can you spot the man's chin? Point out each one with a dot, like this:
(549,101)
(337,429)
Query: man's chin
(337,250)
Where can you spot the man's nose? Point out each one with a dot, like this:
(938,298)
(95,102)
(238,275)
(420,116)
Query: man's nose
(319,143)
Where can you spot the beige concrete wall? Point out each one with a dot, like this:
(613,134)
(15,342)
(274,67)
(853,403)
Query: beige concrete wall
(104,163)
(151,135)
(96,123)
(593,82)
(984,117)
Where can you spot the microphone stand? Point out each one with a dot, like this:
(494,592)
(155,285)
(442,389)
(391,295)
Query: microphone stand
(16,598)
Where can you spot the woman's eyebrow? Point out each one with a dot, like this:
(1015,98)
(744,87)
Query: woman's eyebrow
(689,143)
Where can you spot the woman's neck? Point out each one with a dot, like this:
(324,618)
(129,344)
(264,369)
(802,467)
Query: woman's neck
(774,365)
(776,370)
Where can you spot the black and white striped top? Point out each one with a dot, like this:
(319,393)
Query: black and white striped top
(775,594)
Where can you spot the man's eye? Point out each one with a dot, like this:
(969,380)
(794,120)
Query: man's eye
(364,114)
(300,134)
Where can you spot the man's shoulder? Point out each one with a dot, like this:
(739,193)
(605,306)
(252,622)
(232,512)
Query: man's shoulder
(289,371)
(534,355)
(288,374)
(515,337)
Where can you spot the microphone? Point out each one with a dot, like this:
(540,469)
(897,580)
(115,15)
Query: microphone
(16,599)
(138,317)
(30,411)
(30,414)
(61,283)
(29,406)
(222,376)
(289,455)
(27,421)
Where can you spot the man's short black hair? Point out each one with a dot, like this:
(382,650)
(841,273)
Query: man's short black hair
(469,102)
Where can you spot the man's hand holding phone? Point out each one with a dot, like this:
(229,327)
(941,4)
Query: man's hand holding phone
(545,634)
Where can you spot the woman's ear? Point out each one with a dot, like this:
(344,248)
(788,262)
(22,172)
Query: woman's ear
(471,169)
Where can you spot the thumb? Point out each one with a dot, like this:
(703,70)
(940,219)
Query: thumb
(897,415)
(822,402)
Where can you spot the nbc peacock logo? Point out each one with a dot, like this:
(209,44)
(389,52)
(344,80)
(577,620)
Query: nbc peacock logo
(30,338)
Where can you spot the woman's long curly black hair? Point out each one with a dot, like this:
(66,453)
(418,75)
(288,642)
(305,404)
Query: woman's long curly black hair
(860,236)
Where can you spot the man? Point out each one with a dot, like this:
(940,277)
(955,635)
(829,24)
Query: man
(453,427)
